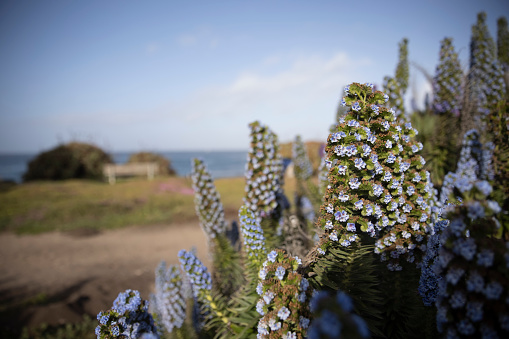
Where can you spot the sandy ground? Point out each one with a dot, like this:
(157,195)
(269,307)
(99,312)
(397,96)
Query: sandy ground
(82,273)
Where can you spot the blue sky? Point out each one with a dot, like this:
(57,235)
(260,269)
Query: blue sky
(168,75)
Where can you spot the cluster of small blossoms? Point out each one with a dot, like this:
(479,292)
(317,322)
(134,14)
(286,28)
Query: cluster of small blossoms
(252,233)
(284,298)
(302,165)
(474,164)
(396,87)
(447,87)
(168,302)
(377,184)
(503,43)
(323,175)
(334,317)
(128,318)
(486,74)
(263,171)
(199,278)
(429,281)
(473,263)
(207,200)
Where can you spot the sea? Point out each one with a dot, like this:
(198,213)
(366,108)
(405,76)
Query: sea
(221,164)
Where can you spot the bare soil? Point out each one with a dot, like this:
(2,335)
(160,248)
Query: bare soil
(56,278)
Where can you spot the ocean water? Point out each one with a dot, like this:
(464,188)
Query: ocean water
(221,164)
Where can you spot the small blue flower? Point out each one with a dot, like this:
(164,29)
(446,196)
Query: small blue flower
(283,313)
(341,216)
(272,256)
(351,227)
(333,236)
(354,183)
(356,106)
(280,272)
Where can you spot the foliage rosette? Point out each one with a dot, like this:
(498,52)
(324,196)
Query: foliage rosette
(263,171)
(128,318)
(334,317)
(377,183)
(447,88)
(284,298)
(486,74)
(169,302)
(207,201)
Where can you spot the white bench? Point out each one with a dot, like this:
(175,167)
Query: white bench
(112,171)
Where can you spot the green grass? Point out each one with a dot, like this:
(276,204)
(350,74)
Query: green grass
(38,207)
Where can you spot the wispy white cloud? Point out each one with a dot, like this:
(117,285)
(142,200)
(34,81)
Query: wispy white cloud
(202,37)
(152,48)
(186,40)
(299,98)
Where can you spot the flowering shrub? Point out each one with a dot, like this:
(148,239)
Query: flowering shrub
(379,210)
(377,183)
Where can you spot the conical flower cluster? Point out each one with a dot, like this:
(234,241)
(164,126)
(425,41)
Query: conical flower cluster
(199,277)
(503,43)
(447,87)
(168,301)
(263,171)
(127,318)
(334,317)
(207,201)
(252,233)
(486,74)
(302,165)
(473,264)
(378,186)
(284,298)
(475,163)
(395,87)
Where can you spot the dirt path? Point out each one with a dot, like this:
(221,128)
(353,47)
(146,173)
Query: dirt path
(76,274)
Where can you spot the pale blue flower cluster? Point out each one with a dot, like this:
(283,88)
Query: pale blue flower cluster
(400,192)
(252,234)
(334,317)
(486,74)
(199,277)
(169,302)
(263,171)
(447,87)
(302,165)
(284,297)
(207,200)
(129,317)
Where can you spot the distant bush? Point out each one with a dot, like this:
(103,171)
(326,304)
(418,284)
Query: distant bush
(165,167)
(69,161)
